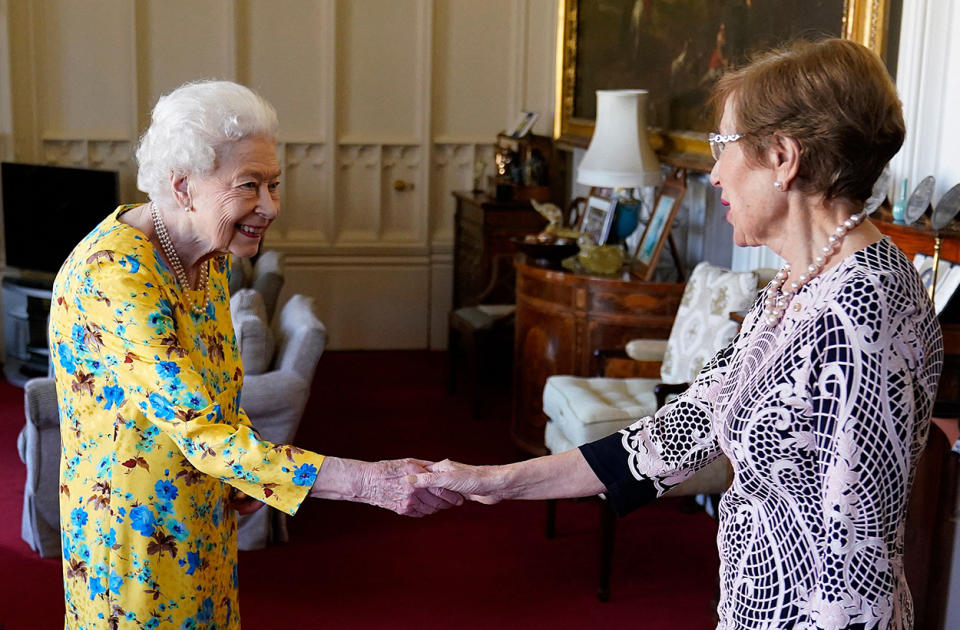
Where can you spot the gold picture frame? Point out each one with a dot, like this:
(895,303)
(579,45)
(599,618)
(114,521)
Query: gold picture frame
(863,21)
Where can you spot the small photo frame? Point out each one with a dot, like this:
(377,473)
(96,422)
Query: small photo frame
(597,218)
(524,124)
(657,230)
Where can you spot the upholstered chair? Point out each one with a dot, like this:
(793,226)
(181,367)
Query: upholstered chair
(279,362)
(581,410)
(39,448)
(265,276)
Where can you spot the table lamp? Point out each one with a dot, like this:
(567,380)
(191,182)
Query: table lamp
(619,156)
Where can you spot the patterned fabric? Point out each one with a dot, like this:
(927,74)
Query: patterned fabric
(703,321)
(154,441)
(823,418)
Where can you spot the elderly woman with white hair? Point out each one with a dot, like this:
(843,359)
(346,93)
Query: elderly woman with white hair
(157,455)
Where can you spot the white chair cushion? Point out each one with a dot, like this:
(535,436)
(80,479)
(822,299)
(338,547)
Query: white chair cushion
(703,325)
(254,337)
(587,409)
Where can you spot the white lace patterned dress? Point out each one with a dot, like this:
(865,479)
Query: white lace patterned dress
(823,418)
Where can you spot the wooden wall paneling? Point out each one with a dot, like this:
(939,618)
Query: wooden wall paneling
(539,76)
(281,54)
(365,302)
(306,180)
(6,103)
(475,57)
(378,45)
(452,170)
(357,210)
(185,40)
(84,95)
(399,194)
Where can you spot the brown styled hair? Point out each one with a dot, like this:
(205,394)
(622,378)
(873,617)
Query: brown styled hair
(834,97)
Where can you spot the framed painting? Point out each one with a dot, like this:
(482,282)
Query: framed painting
(677,49)
(657,230)
(597,218)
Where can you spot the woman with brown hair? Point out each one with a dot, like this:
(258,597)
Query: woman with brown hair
(822,402)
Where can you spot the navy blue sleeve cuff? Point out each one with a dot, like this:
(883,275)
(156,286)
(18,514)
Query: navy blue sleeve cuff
(608,459)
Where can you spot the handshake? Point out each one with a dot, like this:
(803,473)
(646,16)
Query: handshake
(410,487)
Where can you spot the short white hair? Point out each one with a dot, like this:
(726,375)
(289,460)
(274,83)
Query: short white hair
(190,126)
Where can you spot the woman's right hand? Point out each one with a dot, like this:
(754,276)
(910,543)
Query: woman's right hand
(384,484)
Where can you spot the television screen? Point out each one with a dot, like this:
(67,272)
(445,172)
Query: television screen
(47,210)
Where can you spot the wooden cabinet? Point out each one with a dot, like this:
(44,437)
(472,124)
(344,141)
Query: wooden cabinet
(562,318)
(483,228)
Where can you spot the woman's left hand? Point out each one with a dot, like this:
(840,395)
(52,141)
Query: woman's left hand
(244,503)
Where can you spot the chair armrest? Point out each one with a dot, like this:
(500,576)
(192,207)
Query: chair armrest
(263,394)
(647,349)
(617,364)
(662,390)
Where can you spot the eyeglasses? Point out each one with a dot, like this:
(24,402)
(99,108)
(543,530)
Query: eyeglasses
(719,141)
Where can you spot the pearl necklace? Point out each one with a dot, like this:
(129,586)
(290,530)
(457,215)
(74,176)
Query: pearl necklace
(171,254)
(776,301)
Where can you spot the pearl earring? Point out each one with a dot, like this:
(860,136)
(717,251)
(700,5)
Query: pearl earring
(778,185)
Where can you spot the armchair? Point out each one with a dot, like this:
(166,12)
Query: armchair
(279,365)
(39,447)
(264,276)
(581,410)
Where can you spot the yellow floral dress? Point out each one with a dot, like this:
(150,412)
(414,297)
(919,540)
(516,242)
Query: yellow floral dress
(154,441)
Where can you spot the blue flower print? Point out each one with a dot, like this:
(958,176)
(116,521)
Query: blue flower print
(205,614)
(166,489)
(167,369)
(174,387)
(152,623)
(110,539)
(164,508)
(77,334)
(177,529)
(131,262)
(66,543)
(305,474)
(217,514)
(141,519)
(83,552)
(115,581)
(66,358)
(96,587)
(94,366)
(112,395)
(189,624)
(161,407)
(193,560)
(158,321)
(78,517)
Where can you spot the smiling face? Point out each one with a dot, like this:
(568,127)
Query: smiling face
(747,189)
(237,201)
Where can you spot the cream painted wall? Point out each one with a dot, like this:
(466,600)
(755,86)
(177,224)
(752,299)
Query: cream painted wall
(369,93)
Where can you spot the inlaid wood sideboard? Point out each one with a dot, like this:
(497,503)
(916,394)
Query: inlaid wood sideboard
(561,318)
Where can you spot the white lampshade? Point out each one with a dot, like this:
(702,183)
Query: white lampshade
(619,155)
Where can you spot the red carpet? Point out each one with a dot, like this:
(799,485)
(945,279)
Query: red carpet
(353,566)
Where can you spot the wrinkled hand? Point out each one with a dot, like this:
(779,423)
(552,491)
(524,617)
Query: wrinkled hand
(243,503)
(386,484)
(476,483)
